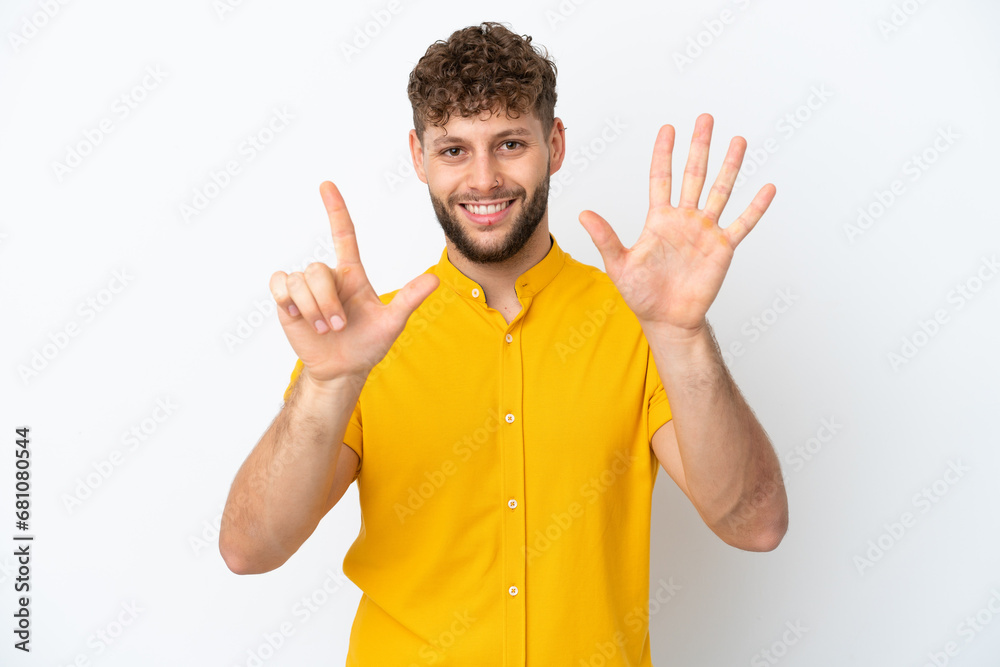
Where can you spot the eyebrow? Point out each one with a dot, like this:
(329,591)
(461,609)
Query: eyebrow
(450,138)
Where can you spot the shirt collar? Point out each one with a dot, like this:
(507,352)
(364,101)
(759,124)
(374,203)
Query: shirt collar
(527,284)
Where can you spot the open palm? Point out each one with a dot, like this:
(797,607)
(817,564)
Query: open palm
(675,269)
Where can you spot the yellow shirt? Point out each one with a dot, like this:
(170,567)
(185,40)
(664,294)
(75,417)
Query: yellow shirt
(506,478)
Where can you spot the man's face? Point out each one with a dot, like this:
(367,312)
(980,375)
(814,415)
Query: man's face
(488,179)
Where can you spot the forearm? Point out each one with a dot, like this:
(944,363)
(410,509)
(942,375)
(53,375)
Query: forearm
(731,469)
(279,494)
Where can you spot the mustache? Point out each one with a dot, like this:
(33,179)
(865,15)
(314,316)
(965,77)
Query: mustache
(501,194)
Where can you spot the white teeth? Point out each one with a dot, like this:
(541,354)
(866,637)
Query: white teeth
(486,210)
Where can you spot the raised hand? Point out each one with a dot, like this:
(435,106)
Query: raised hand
(673,273)
(332,317)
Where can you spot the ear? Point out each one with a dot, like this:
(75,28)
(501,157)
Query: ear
(557,145)
(417,154)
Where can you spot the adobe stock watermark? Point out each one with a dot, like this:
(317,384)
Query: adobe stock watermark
(757,325)
(107,635)
(701,41)
(637,622)
(77,151)
(928,329)
(968,629)
(798,456)
(370,30)
(131,439)
(561,12)
(209,534)
(581,158)
(779,647)
(923,500)
(604,651)
(247,324)
(32,24)
(248,149)
(575,164)
(580,333)
(913,169)
(302,610)
(87,310)
(423,318)
(464,449)
(899,16)
(257,481)
(591,490)
(401,172)
(762,499)
(791,122)
(445,640)
(224,8)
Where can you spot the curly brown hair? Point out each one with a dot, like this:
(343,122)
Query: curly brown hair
(482,68)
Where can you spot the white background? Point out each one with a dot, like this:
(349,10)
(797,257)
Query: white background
(145,535)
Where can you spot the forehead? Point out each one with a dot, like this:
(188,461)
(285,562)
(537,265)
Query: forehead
(483,128)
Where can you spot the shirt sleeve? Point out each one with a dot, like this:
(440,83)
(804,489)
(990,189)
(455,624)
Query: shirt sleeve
(352,436)
(659,409)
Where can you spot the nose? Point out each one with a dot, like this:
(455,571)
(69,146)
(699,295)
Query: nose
(484,174)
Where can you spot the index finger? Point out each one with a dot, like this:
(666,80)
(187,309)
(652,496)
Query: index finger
(345,243)
(659,169)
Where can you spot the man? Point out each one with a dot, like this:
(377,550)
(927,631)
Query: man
(503,413)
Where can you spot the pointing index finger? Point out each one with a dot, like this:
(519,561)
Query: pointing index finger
(345,243)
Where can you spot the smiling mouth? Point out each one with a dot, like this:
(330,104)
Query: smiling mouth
(487,209)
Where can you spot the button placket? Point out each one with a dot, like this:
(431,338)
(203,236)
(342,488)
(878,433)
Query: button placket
(514,539)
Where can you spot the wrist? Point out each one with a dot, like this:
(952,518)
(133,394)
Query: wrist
(676,335)
(332,386)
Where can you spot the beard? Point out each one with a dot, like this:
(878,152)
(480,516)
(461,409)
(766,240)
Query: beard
(523,226)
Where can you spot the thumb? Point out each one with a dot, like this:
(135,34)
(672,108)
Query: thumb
(607,242)
(412,295)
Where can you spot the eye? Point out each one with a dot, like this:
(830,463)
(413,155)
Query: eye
(448,151)
(516,144)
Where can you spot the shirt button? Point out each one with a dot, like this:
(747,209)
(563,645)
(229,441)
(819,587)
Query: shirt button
(475,292)
(512,503)
(509,418)
(512,590)
(509,338)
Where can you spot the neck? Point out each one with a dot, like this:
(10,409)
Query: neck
(498,279)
